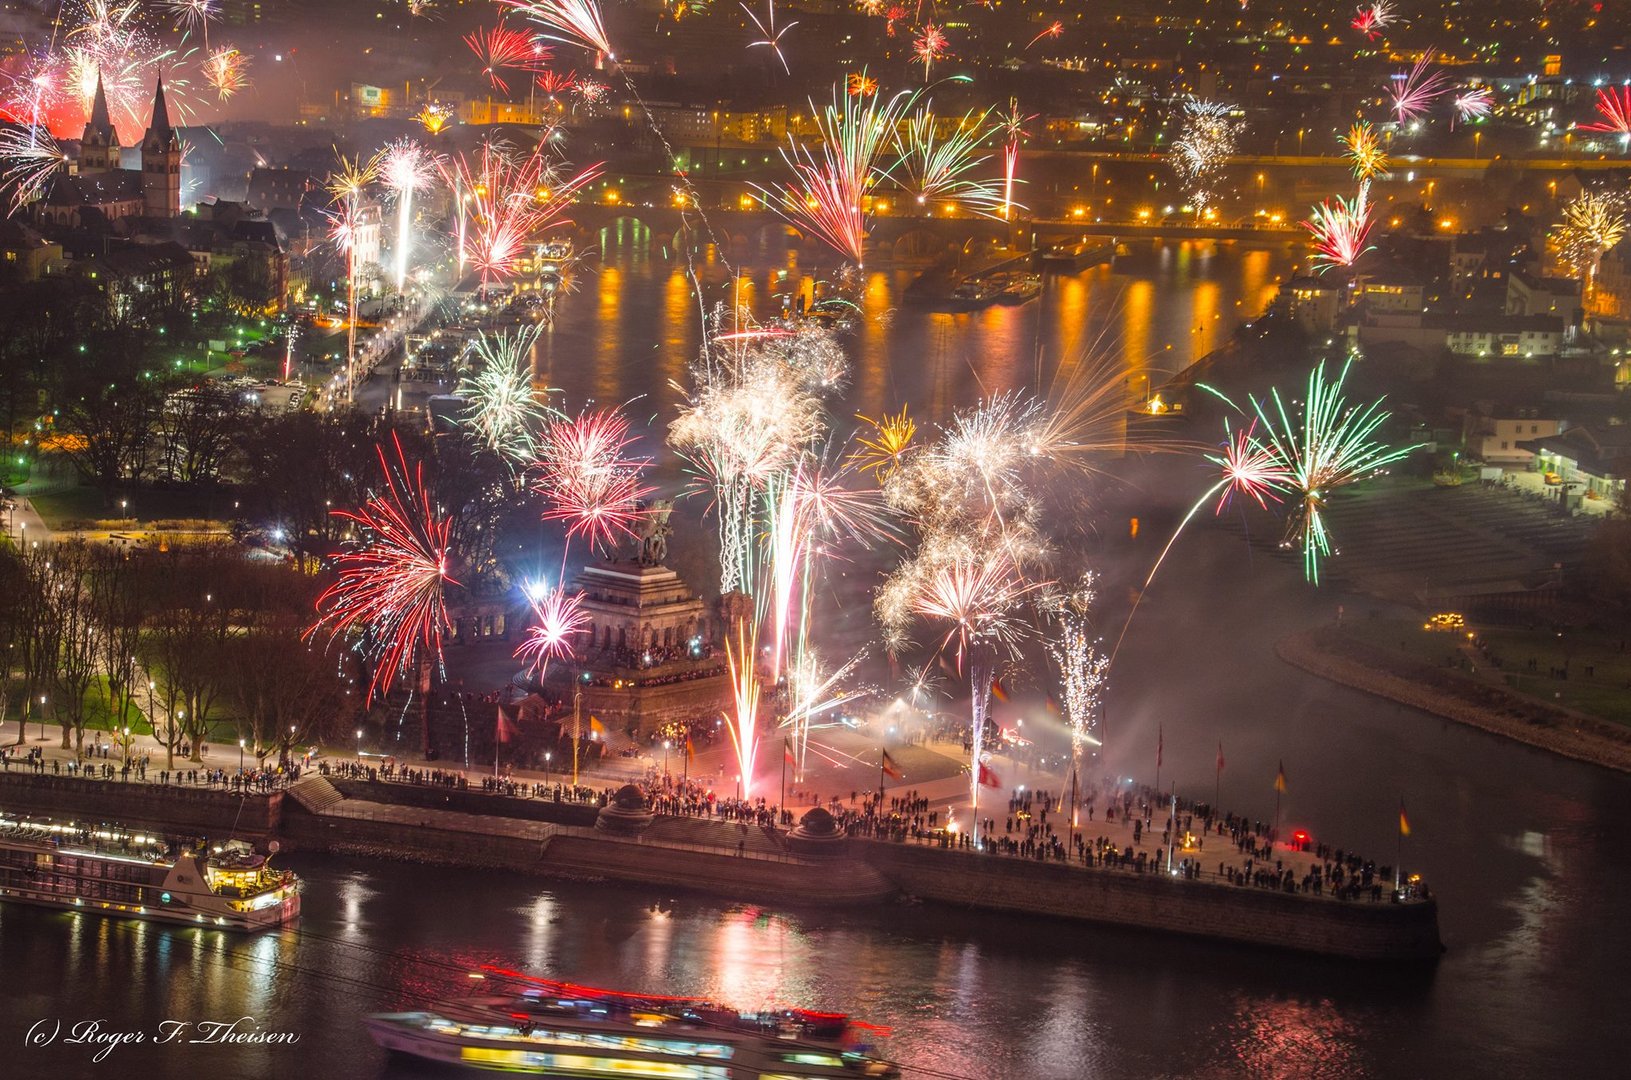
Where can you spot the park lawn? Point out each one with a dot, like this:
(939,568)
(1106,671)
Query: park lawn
(1605,692)
(99,711)
(69,507)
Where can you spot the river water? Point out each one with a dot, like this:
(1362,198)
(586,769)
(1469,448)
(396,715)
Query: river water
(1518,844)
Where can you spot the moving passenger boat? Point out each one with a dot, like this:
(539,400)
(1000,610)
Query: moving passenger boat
(562,1029)
(103,870)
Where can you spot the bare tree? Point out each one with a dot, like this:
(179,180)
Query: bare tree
(39,634)
(68,590)
(286,691)
(197,427)
(116,605)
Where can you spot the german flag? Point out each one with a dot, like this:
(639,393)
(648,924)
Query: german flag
(1280,779)
(690,751)
(890,768)
(998,691)
(787,753)
(1404,822)
(989,777)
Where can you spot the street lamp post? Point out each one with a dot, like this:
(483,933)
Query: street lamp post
(547,756)
(666,745)
(42,717)
(359,746)
(240,755)
(127,746)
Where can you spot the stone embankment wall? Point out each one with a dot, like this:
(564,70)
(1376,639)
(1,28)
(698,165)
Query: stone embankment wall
(1495,709)
(1359,930)
(202,811)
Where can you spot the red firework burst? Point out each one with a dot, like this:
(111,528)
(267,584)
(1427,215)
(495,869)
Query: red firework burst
(559,619)
(503,49)
(1614,104)
(589,478)
(392,584)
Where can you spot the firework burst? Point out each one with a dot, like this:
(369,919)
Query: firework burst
(1341,230)
(772,39)
(1592,224)
(589,477)
(929,46)
(1414,91)
(392,582)
(880,453)
(1364,149)
(1371,20)
(226,71)
(502,49)
(1084,667)
(406,168)
(1203,146)
(829,191)
(1614,105)
(558,619)
(29,160)
(1053,31)
(1328,446)
(507,198)
(502,406)
(936,169)
(575,22)
(1472,104)
(433,117)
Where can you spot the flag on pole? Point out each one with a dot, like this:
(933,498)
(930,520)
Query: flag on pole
(1160,743)
(507,728)
(890,768)
(1404,822)
(989,778)
(1220,757)
(787,753)
(596,727)
(690,751)
(1280,779)
(998,691)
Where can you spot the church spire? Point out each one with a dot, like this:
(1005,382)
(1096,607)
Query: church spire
(99,106)
(161,113)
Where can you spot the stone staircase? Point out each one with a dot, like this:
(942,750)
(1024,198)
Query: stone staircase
(315,794)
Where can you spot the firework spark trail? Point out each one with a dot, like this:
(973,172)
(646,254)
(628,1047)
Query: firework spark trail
(1414,91)
(1614,104)
(589,477)
(1014,133)
(929,46)
(406,167)
(346,187)
(860,84)
(931,168)
(1249,467)
(502,48)
(1593,223)
(509,198)
(1202,147)
(830,187)
(1341,228)
(772,37)
(392,582)
(742,720)
(813,693)
(755,407)
(558,618)
(1084,668)
(1053,31)
(433,117)
(1364,149)
(503,407)
(576,22)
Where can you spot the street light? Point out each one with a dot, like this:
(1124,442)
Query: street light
(240,755)
(359,744)
(547,756)
(666,745)
(42,717)
(127,746)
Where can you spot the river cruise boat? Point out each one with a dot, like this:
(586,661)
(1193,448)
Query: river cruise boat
(103,870)
(561,1029)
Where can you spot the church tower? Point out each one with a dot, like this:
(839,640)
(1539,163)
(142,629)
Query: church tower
(161,163)
(99,146)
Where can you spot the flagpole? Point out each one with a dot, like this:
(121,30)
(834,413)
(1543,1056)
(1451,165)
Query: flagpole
(784,773)
(883,753)
(577,731)
(1070,845)
(1398,858)
(1172,832)
(1160,738)
(1217,788)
